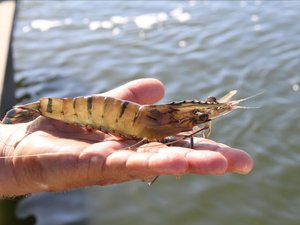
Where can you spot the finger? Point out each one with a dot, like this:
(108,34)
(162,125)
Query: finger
(199,143)
(142,91)
(144,165)
(238,160)
(199,162)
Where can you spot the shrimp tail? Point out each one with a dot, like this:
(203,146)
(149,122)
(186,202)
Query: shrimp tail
(22,114)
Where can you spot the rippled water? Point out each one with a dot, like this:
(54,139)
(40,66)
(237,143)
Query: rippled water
(197,49)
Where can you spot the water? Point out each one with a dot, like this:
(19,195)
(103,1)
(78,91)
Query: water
(197,49)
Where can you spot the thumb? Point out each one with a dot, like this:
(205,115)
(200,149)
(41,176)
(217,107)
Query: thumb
(142,91)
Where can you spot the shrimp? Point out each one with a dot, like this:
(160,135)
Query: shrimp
(127,119)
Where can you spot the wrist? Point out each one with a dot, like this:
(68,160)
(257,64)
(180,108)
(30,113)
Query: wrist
(8,184)
(8,140)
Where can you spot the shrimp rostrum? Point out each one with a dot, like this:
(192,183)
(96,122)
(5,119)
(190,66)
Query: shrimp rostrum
(127,119)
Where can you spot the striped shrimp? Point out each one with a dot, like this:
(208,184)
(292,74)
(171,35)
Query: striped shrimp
(127,119)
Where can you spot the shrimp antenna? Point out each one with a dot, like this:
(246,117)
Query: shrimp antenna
(236,102)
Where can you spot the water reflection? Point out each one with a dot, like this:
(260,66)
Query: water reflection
(143,21)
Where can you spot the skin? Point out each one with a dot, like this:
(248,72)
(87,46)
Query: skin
(67,156)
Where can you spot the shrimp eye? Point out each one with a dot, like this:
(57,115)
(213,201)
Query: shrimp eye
(203,117)
(211,99)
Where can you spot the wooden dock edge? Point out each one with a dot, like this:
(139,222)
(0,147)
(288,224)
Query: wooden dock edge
(7,87)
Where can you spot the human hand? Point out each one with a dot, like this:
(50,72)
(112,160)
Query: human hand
(46,155)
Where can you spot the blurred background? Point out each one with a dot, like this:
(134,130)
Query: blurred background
(197,49)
